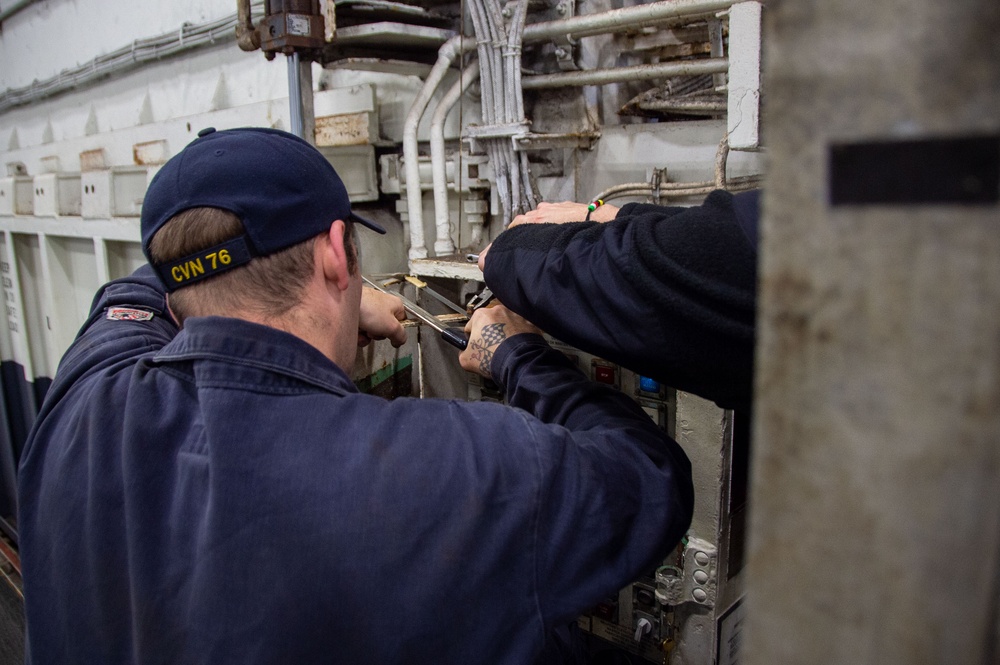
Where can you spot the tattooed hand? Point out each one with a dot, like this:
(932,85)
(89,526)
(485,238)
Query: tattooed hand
(488,329)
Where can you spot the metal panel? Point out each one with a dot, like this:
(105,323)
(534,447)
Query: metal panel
(57,194)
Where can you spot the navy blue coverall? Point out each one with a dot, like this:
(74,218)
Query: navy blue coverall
(224,494)
(667,291)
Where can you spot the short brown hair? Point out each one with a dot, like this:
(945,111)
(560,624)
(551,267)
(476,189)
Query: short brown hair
(268,285)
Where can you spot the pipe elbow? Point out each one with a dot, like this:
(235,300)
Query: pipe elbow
(247,37)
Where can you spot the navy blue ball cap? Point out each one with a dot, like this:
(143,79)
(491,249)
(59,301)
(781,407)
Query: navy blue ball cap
(281,188)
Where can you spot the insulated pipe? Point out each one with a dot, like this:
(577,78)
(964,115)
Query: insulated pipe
(443,244)
(678,189)
(620,74)
(622,19)
(447,53)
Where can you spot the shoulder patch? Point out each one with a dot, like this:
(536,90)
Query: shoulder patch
(128,314)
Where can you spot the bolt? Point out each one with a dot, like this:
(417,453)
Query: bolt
(700,576)
(701,558)
(560,52)
(700,595)
(507,13)
(562,8)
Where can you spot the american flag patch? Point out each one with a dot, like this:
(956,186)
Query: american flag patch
(128,314)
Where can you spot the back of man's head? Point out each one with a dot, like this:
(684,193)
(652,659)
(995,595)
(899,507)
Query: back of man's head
(229,222)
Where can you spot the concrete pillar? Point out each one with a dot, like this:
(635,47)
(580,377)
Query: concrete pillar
(875,501)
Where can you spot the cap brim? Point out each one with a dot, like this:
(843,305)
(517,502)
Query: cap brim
(367,222)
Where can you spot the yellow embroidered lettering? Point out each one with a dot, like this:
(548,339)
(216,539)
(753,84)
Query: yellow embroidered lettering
(211,257)
(176,274)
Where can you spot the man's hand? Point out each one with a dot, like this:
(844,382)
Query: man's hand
(380,317)
(487,330)
(567,211)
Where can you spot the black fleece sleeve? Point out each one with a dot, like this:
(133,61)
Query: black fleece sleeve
(666,292)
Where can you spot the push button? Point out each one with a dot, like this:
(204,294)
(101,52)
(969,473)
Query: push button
(604,374)
(648,385)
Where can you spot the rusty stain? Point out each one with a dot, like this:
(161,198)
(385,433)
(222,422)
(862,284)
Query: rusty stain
(150,153)
(93,160)
(343,130)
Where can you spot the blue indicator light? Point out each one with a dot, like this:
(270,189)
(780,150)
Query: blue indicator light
(648,385)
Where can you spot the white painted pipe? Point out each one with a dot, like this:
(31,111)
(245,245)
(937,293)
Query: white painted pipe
(414,204)
(442,220)
(621,74)
(623,19)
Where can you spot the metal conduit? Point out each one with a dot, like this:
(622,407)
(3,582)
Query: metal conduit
(622,19)
(620,74)
(679,190)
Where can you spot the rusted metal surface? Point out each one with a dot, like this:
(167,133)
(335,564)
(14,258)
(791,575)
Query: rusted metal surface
(150,153)
(93,160)
(345,129)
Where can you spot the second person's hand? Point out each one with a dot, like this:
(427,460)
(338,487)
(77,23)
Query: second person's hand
(565,211)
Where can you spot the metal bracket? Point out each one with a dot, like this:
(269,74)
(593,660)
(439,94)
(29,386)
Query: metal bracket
(577,140)
(696,582)
(564,46)
(512,130)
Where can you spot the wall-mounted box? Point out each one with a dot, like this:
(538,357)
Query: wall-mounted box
(17,195)
(114,192)
(57,194)
(356,167)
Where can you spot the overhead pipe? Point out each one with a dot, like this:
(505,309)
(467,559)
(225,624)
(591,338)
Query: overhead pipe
(626,18)
(621,74)
(678,190)
(442,220)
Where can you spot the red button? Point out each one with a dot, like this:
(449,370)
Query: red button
(604,374)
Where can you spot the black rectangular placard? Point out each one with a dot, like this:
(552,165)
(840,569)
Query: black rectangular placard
(962,171)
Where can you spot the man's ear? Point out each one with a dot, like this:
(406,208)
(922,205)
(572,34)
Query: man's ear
(333,255)
(170,311)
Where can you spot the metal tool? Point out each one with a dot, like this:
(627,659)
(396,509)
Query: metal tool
(453,336)
(424,288)
(480,300)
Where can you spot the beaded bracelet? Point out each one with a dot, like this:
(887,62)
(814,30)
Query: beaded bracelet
(591,207)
